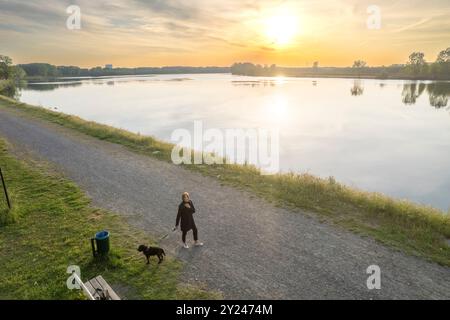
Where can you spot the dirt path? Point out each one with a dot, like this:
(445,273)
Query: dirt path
(252,249)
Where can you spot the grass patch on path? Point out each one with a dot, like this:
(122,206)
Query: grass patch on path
(49,228)
(415,229)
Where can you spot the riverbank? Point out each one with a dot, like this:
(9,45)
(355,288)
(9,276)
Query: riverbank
(49,228)
(343,76)
(415,229)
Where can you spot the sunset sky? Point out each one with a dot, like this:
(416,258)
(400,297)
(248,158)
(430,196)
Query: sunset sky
(211,32)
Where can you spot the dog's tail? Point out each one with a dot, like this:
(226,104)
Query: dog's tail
(163,252)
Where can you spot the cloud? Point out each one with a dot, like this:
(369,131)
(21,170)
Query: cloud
(170,8)
(183,32)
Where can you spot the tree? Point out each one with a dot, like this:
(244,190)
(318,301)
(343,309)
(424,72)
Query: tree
(417,58)
(444,56)
(17,74)
(10,76)
(273,69)
(5,67)
(315,66)
(441,68)
(359,64)
(417,62)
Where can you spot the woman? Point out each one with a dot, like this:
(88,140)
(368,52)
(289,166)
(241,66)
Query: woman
(185,212)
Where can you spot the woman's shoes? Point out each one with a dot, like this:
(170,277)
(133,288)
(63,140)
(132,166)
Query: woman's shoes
(197,244)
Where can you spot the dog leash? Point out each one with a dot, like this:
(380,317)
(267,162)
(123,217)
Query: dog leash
(166,235)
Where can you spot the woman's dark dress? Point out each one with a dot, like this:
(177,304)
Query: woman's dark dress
(185,215)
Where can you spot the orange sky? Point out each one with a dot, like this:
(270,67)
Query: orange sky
(210,32)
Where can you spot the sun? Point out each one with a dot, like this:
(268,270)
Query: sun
(281,28)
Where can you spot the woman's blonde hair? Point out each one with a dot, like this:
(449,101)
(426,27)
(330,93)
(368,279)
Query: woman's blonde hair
(184,194)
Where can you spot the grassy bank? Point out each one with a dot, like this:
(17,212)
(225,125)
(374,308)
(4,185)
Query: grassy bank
(49,228)
(415,229)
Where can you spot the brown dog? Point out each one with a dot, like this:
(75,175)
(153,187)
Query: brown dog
(152,251)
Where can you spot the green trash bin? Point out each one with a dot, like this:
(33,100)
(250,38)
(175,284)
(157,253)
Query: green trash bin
(100,244)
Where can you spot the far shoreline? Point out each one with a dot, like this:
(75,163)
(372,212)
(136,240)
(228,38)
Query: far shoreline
(304,76)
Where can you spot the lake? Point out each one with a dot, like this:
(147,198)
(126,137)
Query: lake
(389,136)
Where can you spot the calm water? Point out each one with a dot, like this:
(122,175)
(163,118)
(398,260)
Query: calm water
(388,136)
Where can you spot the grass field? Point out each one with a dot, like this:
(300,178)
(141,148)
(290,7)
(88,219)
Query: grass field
(49,228)
(415,229)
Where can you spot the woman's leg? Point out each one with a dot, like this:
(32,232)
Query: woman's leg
(183,236)
(194,230)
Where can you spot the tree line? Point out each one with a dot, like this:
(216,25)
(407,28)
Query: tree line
(45,70)
(415,68)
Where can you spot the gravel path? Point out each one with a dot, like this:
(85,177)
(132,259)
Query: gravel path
(252,249)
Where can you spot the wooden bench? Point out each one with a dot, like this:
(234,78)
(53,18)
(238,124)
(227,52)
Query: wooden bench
(101,290)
